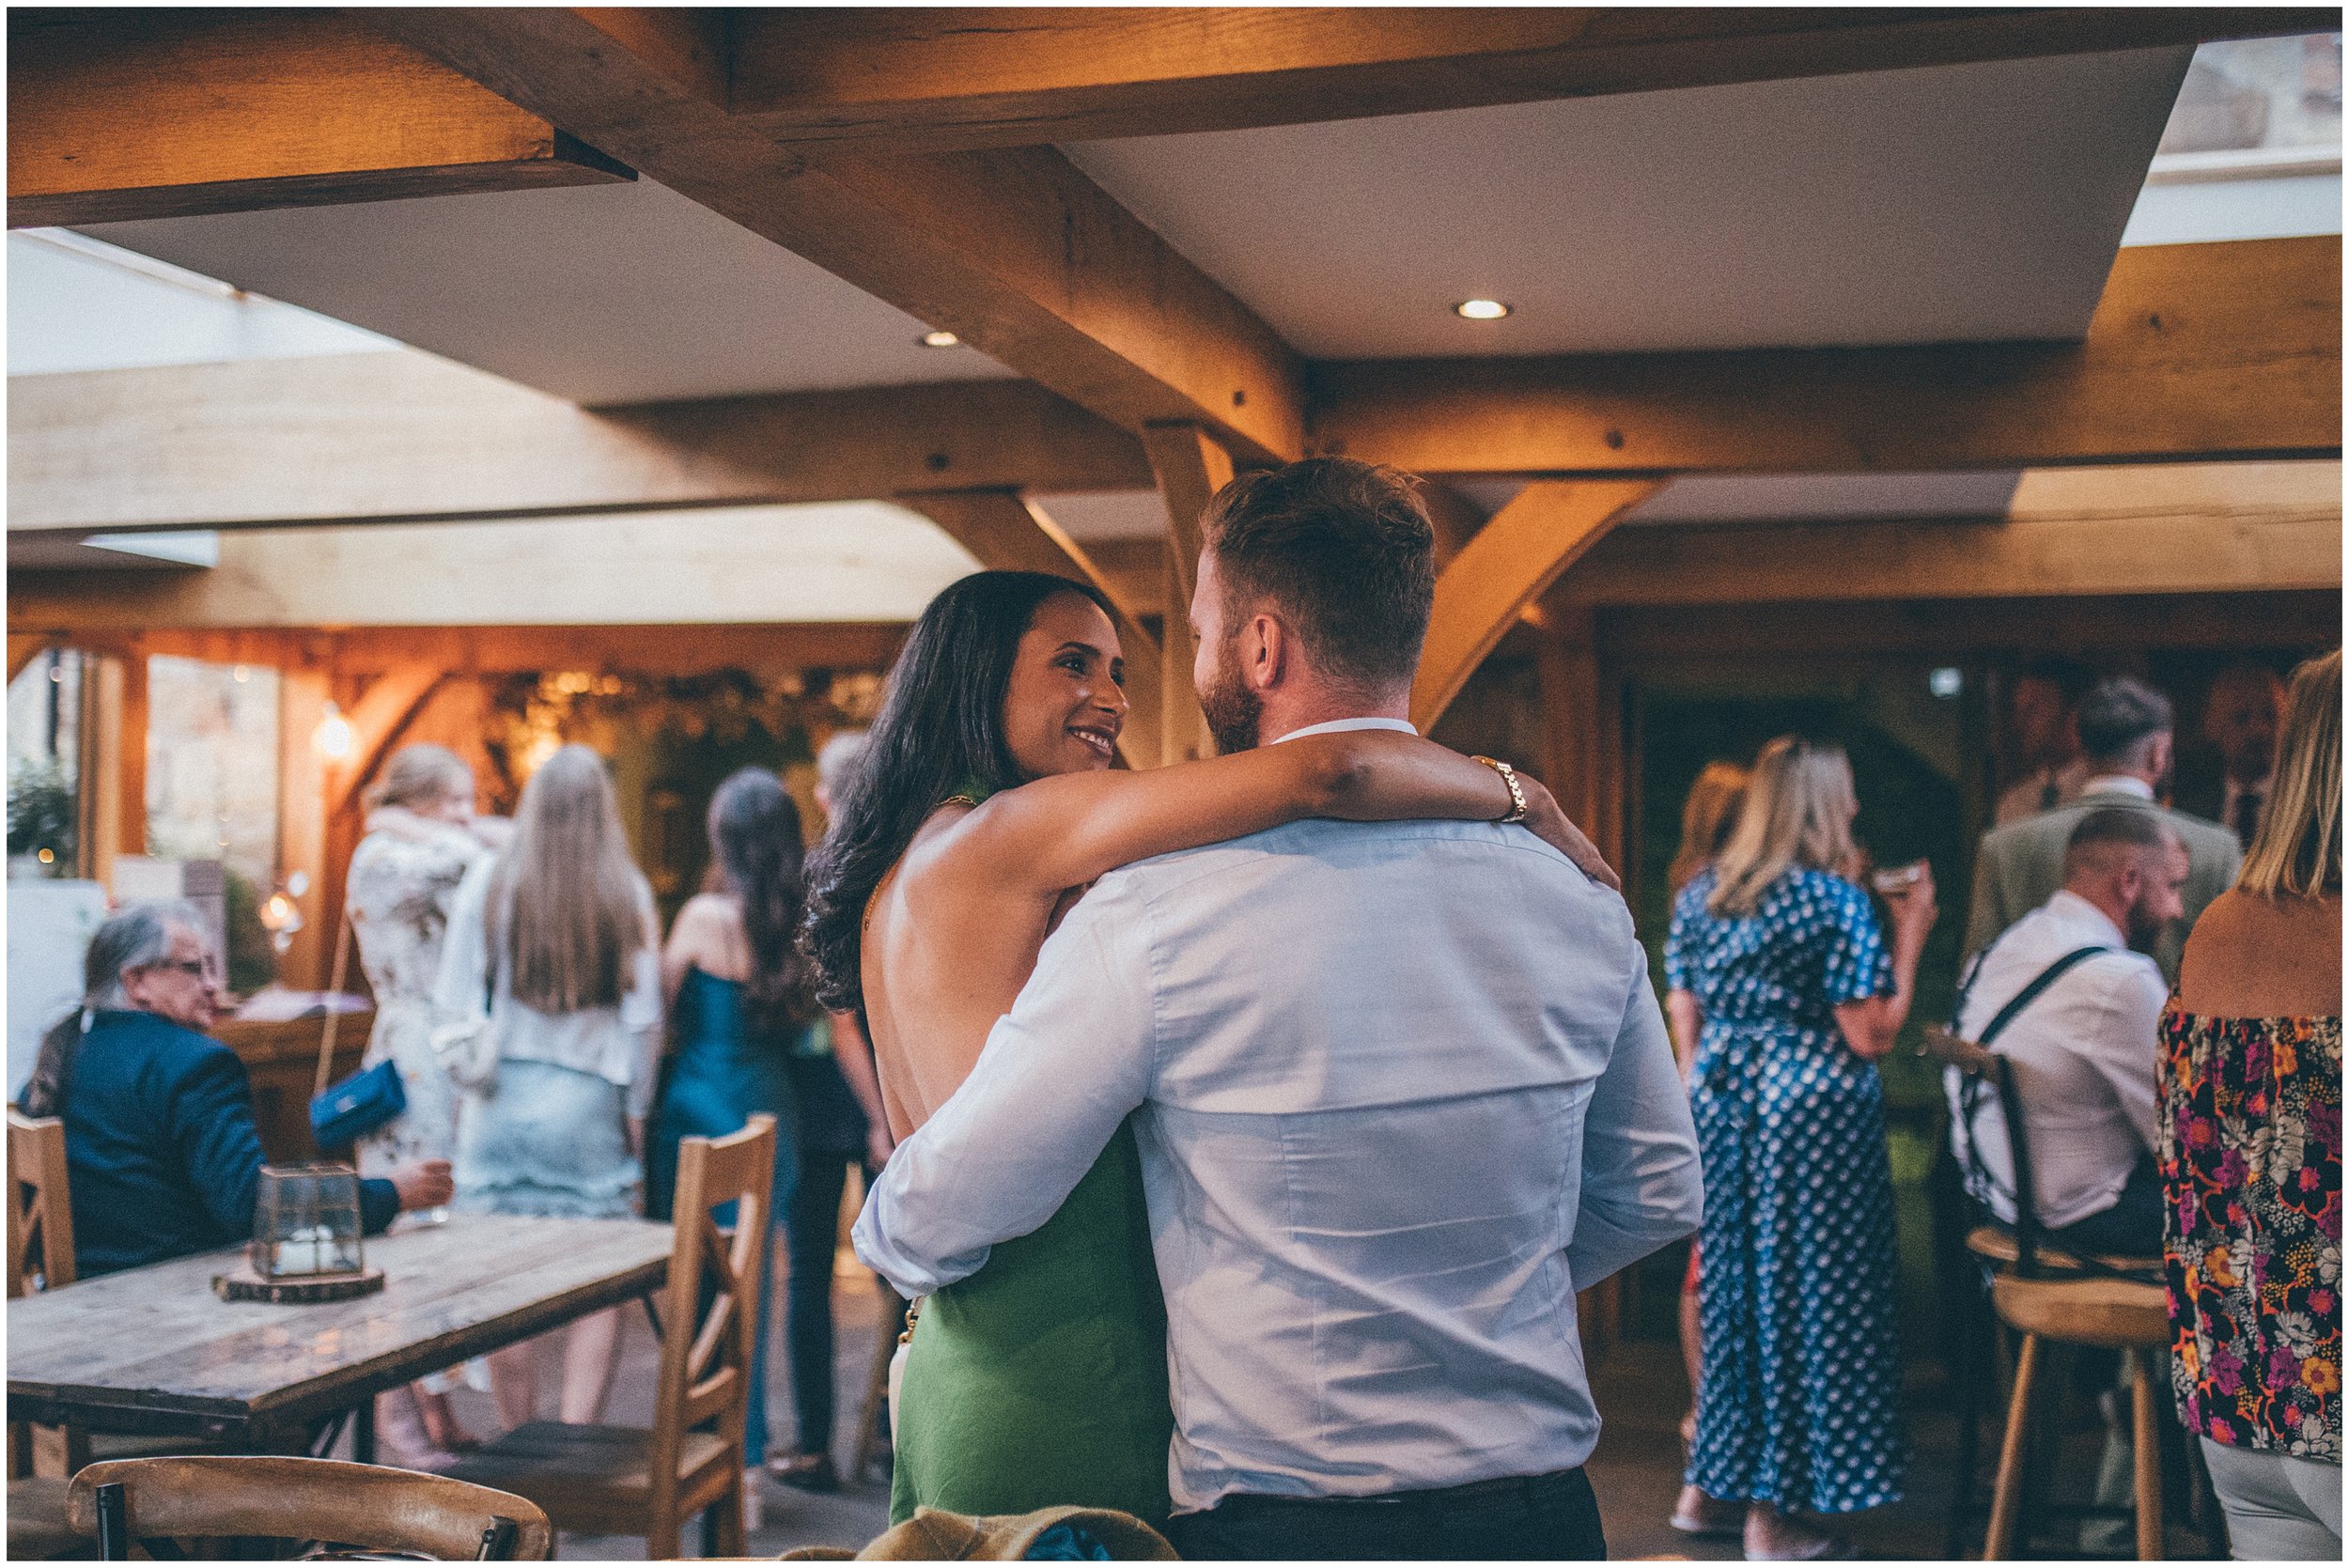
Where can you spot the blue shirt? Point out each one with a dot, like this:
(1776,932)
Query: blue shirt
(161,1154)
(1403,1089)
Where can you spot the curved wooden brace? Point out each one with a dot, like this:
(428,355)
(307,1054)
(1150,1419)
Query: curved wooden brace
(1008,533)
(376,720)
(1505,567)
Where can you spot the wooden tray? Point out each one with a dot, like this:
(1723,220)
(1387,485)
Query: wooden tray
(246,1285)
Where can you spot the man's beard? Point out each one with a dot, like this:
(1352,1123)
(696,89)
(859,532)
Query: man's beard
(1235,714)
(2143,928)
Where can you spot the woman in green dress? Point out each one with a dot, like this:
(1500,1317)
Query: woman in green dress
(985,804)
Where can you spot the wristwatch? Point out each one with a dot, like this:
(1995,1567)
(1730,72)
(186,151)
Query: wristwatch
(1516,791)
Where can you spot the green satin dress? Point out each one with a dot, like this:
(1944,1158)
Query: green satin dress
(1041,1379)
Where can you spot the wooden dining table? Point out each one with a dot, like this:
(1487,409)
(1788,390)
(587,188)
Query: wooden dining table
(154,1350)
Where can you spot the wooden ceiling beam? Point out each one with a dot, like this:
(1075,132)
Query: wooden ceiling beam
(908,79)
(1014,251)
(479,650)
(2196,352)
(396,437)
(1191,466)
(166,113)
(2194,551)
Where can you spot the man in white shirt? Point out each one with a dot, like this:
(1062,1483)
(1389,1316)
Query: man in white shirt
(2084,1050)
(1403,1089)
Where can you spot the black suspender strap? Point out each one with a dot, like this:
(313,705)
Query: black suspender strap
(2032,992)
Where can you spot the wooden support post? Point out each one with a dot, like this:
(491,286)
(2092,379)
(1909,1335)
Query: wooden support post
(1010,533)
(1583,742)
(130,757)
(98,804)
(303,694)
(1191,466)
(1509,564)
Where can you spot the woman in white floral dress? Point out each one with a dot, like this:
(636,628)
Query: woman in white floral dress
(422,837)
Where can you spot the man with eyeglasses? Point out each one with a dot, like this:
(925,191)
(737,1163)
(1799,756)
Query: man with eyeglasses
(162,1155)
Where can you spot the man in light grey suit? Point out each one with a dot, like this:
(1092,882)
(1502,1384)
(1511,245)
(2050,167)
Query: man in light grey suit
(2126,733)
(1404,1087)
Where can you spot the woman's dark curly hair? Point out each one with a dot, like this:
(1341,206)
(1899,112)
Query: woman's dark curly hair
(939,733)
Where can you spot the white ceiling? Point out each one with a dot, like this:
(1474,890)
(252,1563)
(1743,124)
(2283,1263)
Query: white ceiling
(1960,203)
(599,293)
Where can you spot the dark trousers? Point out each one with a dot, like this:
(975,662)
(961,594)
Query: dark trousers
(2130,1228)
(811,1232)
(1516,1518)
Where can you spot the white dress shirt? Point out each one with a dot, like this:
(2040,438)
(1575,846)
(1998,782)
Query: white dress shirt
(2084,1055)
(1404,1087)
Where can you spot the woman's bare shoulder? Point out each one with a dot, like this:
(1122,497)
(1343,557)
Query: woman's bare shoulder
(2264,957)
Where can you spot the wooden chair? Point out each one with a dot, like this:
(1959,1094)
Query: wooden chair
(2045,1295)
(242,1506)
(630,1480)
(40,1257)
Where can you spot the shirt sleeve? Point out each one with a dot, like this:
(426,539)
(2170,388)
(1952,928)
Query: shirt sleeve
(1677,942)
(212,1127)
(640,1016)
(1641,1185)
(457,991)
(2124,1046)
(1984,919)
(1072,1058)
(1857,966)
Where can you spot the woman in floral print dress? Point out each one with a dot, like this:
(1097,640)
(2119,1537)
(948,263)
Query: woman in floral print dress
(2250,1159)
(422,837)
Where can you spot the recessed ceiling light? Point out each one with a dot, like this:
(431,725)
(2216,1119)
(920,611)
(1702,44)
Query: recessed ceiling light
(1481,310)
(940,340)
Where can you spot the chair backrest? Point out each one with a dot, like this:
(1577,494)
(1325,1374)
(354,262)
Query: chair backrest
(215,1497)
(40,1209)
(1986,1070)
(717,1286)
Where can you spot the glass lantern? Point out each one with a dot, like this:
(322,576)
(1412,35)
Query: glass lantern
(307,1221)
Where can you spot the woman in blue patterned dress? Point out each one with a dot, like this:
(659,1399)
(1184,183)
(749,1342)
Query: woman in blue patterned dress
(1799,1406)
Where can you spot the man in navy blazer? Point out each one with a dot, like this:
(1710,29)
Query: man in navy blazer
(162,1155)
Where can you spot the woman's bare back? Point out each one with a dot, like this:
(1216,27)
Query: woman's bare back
(2264,958)
(944,956)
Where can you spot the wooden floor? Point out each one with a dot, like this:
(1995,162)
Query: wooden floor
(1641,1392)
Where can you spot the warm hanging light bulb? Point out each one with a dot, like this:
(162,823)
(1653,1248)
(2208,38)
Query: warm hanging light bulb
(333,738)
(939,338)
(1481,310)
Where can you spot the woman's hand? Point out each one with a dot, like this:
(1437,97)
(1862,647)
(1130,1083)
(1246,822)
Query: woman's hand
(1547,822)
(1913,909)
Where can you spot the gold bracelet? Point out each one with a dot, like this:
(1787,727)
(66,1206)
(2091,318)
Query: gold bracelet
(1516,791)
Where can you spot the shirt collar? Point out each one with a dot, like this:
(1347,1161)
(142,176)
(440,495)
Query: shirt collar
(2118,784)
(2073,908)
(1334,725)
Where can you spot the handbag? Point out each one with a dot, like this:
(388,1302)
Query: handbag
(368,1099)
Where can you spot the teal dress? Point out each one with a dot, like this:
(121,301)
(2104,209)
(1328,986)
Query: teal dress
(1041,1379)
(721,1074)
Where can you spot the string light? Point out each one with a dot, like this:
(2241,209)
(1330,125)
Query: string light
(1479,310)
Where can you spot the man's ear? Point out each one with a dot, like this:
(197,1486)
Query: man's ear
(1269,651)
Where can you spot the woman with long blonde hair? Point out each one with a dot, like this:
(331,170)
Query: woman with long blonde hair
(1798,1400)
(552,949)
(2249,1150)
